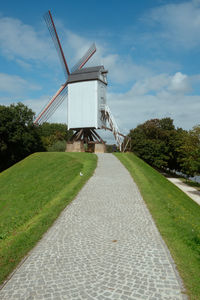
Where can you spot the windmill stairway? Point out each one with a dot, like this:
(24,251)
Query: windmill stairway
(119,137)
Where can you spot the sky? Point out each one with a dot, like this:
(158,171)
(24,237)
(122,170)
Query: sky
(151,49)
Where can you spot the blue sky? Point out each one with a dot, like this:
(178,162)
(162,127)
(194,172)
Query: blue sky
(150,48)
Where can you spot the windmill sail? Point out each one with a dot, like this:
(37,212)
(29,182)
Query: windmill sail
(85,58)
(59,99)
(52,105)
(52,29)
(61,94)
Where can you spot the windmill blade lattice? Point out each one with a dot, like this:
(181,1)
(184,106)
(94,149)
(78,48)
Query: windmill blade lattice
(85,58)
(58,101)
(52,29)
(52,105)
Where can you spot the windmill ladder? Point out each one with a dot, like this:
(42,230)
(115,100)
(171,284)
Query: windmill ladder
(114,128)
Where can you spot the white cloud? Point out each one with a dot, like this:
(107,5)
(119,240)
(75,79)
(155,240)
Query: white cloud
(177,23)
(160,65)
(150,84)
(23,64)
(15,84)
(121,69)
(37,104)
(130,109)
(26,45)
(19,41)
(75,46)
(156,97)
(180,83)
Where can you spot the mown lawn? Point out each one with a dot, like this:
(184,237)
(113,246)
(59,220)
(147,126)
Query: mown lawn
(176,216)
(32,194)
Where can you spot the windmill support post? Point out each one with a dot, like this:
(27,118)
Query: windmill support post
(86,140)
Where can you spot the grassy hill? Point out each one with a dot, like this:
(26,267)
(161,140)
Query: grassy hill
(176,216)
(33,193)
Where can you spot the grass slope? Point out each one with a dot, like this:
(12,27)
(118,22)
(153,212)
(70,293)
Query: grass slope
(177,218)
(33,193)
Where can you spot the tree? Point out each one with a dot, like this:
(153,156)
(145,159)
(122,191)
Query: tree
(51,133)
(18,135)
(153,141)
(161,145)
(189,152)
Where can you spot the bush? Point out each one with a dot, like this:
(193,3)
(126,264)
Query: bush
(58,146)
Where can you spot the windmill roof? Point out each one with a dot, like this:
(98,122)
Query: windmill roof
(86,74)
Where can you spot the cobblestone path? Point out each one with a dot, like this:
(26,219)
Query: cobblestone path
(103,246)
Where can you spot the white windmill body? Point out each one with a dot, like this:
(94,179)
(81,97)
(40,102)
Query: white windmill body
(87,98)
(85,89)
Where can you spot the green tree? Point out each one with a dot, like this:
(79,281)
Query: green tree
(153,141)
(18,136)
(160,144)
(51,133)
(189,152)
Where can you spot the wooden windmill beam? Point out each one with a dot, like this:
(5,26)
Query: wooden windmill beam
(59,44)
(107,128)
(98,137)
(79,134)
(88,135)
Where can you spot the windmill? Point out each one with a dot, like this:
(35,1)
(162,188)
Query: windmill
(85,89)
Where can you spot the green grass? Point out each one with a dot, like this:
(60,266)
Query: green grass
(176,216)
(33,193)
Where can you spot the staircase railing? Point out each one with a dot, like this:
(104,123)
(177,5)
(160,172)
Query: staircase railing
(113,126)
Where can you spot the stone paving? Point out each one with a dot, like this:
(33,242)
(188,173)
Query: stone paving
(104,245)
